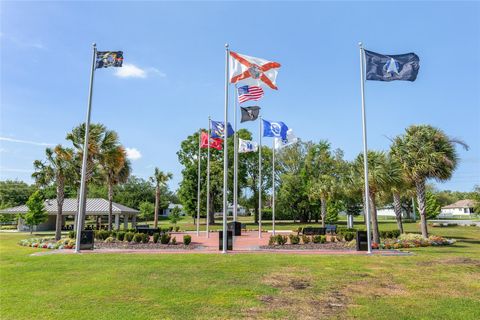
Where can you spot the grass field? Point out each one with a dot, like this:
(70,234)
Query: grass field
(434,283)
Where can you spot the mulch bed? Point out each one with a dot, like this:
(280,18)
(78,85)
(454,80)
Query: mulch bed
(311,246)
(150,245)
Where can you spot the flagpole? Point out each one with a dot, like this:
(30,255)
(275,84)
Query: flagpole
(273,187)
(225,155)
(198,180)
(235,159)
(208,179)
(260,177)
(365,148)
(83,182)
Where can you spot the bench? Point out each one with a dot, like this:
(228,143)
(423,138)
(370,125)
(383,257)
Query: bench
(331,228)
(147,230)
(311,231)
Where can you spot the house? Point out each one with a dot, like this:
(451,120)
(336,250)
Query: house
(458,209)
(96,207)
(171,206)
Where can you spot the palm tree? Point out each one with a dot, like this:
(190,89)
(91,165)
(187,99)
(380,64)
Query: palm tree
(56,169)
(425,152)
(397,186)
(115,169)
(379,180)
(160,179)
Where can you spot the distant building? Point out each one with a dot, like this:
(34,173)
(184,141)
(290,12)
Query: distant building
(171,206)
(459,208)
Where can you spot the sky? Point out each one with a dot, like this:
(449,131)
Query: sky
(174,74)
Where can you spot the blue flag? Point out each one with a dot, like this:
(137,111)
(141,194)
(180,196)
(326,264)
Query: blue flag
(218,129)
(389,68)
(275,129)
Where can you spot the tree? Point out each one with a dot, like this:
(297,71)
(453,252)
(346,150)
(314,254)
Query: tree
(14,193)
(147,210)
(57,169)
(36,213)
(432,207)
(425,152)
(174,215)
(160,179)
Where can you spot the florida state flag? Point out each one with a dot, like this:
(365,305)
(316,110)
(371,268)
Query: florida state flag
(215,143)
(253,71)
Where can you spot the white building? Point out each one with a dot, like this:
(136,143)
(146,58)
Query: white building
(171,206)
(457,209)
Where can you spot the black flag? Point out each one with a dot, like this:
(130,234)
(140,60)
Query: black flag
(392,67)
(107,59)
(250,113)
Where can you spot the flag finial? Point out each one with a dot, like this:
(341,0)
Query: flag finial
(226,45)
(94,44)
(360,44)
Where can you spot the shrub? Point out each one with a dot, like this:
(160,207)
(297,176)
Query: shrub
(393,234)
(138,237)
(306,239)
(272,240)
(323,239)
(294,239)
(129,236)
(170,229)
(145,238)
(339,237)
(187,239)
(174,241)
(349,236)
(165,238)
(102,234)
(121,235)
(281,240)
(72,234)
(332,239)
(317,239)
(109,239)
(177,228)
(155,237)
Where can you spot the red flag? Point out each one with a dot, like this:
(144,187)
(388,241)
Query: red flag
(215,143)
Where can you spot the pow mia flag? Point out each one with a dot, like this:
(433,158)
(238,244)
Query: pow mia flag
(107,59)
(250,113)
(392,67)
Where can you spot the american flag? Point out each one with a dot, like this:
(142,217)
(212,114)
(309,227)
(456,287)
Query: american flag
(246,93)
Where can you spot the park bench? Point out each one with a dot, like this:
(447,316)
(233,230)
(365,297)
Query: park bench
(331,228)
(147,230)
(311,231)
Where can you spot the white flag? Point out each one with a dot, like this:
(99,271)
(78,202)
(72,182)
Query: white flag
(253,71)
(247,146)
(290,139)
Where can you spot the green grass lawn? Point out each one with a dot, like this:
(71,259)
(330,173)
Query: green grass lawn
(434,283)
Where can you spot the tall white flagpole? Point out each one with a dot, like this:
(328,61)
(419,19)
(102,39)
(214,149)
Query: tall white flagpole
(83,182)
(365,149)
(235,159)
(198,180)
(260,177)
(225,154)
(208,179)
(273,187)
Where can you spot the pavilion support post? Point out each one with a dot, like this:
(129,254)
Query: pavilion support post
(125,221)
(134,222)
(117,222)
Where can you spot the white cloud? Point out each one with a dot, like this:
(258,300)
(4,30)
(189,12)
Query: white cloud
(129,70)
(133,154)
(26,142)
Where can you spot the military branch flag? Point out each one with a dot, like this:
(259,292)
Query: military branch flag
(245,146)
(107,59)
(275,129)
(289,140)
(392,67)
(246,93)
(215,143)
(253,71)
(250,113)
(218,129)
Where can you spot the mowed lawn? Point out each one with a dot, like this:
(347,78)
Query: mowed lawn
(433,283)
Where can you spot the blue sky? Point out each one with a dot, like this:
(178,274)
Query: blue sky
(175,74)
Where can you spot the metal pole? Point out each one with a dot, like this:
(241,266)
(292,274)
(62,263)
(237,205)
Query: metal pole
(260,177)
(198,181)
(83,182)
(208,179)
(273,187)
(365,149)
(225,155)
(235,159)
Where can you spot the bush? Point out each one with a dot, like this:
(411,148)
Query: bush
(294,239)
(317,238)
(332,239)
(177,228)
(187,239)
(145,238)
(339,237)
(72,234)
(109,239)
(306,239)
(102,234)
(155,237)
(281,240)
(393,234)
(165,238)
(129,236)
(344,231)
(138,237)
(174,241)
(323,239)
(272,240)
(121,235)
(349,236)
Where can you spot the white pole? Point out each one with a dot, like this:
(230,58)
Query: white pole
(83,182)
(225,154)
(260,177)
(208,179)
(365,148)
(198,180)
(273,187)
(235,159)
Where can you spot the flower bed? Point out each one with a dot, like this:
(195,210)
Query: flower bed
(48,243)
(412,240)
(149,245)
(311,246)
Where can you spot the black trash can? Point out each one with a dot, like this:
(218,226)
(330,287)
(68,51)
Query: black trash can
(229,240)
(236,227)
(86,240)
(362,241)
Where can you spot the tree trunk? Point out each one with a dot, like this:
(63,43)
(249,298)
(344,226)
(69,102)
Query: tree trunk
(212,212)
(60,198)
(157,203)
(323,210)
(110,205)
(397,207)
(376,234)
(420,186)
